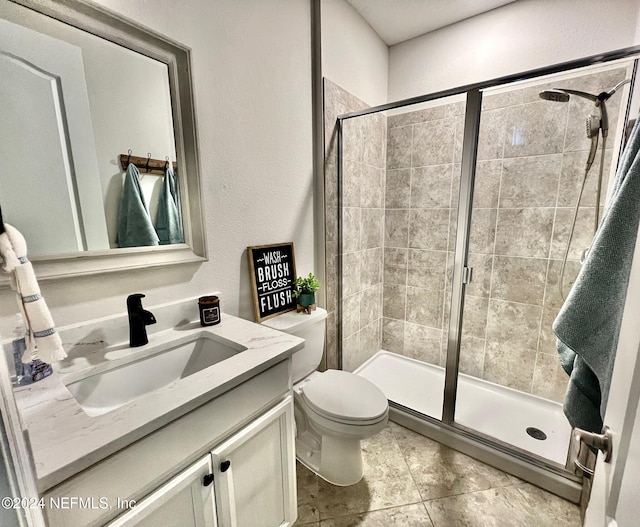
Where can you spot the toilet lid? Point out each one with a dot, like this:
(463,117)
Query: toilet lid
(342,395)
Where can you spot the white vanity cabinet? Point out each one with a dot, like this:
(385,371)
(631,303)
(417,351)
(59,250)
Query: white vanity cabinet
(254,473)
(184,501)
(250,425)
(247,481)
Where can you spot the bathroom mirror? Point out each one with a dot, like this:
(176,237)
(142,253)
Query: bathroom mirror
(85,86)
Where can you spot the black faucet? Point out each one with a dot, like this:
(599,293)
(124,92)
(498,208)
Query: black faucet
(138,320)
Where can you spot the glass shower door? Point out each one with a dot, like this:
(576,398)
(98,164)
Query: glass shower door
(530,161)
(422,180)
(397,215)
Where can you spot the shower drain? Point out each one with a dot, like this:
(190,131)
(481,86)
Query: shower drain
(536,433)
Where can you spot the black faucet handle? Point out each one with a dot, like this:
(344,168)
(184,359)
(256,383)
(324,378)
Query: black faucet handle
(134,301)
(138,319)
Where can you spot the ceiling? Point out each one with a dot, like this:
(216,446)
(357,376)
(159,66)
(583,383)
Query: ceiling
(399,20)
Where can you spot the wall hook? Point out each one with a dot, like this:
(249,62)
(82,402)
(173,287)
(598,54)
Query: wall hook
(146,165)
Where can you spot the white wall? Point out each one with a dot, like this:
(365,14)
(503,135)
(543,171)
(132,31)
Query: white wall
(252,80)
(523,35)
(353,55)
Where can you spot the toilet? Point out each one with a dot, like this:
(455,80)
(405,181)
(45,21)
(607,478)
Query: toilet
(334,410)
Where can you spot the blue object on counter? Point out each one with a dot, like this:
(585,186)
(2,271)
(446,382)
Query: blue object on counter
(34,371)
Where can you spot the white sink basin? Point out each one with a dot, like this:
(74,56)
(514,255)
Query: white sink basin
(160,366)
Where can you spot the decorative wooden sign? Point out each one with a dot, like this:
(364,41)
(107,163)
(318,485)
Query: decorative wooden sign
(273,274)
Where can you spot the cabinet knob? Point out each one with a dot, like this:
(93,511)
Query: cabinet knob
(207,480)
(224,466)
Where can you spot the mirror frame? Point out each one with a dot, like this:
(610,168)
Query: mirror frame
(113,27)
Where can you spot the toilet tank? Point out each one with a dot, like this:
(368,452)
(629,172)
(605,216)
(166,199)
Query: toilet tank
(309,327)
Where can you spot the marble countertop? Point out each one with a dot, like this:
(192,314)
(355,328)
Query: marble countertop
(65,440)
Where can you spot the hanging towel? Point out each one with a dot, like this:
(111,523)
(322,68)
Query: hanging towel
(169,216)
(134,224)
(589,322)
(43,342)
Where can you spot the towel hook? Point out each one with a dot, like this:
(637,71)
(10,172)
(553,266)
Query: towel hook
(129,156)
(166,163)
(148,160)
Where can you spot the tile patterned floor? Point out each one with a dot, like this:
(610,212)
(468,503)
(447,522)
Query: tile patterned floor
(412,481)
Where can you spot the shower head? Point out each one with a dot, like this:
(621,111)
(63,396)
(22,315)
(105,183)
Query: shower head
(562,95)
(554,95)
(593,123)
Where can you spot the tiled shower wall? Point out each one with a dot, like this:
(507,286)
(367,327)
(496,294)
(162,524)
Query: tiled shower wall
(364,148)
(399,229)
(423,167)
(531,158)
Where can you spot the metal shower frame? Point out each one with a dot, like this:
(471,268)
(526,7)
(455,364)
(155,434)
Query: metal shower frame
(532,468)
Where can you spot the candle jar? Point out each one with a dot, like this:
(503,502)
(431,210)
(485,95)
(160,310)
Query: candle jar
(209,307)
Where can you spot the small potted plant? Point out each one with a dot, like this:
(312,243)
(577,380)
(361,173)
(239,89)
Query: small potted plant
(305,290)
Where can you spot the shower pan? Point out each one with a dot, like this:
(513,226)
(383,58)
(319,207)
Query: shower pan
(454,243)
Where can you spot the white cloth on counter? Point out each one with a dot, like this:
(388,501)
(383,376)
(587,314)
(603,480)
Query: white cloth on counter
(43,342)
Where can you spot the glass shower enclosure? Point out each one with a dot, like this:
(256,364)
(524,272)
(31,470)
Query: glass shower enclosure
(454,214)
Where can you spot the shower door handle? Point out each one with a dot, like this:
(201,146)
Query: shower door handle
(602,442)
(580,459)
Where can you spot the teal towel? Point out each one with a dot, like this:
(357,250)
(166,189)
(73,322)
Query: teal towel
(588,324)
(134,224)
(169,215)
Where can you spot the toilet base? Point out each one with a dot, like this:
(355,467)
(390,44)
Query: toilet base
(330,449)
(339,461)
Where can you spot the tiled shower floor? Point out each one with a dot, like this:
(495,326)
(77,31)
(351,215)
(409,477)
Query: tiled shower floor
(412,481)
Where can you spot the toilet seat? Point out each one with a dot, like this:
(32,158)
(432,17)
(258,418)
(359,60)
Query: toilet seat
(345,397)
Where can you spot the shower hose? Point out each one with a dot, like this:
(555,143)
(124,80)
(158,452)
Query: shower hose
(575,216)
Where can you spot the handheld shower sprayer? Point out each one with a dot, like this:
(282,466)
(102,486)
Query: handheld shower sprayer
(594,123)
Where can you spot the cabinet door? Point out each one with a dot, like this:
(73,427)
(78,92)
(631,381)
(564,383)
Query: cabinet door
(254,472)
(184,501)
